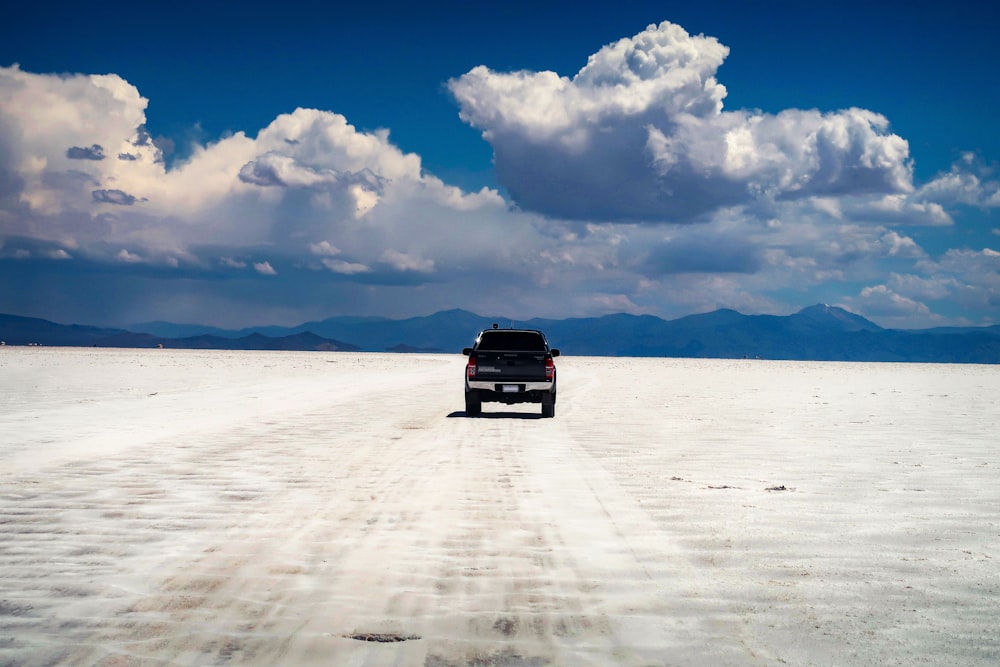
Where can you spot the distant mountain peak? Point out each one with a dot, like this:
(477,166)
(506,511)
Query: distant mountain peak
(820,308)
(825,314)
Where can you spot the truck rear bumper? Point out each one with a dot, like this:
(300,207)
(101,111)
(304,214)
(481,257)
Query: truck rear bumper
(499,387)
(511,392)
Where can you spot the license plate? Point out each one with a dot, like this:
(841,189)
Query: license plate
(510,388)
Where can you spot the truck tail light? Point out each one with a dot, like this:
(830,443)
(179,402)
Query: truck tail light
(470,369)
(550,369)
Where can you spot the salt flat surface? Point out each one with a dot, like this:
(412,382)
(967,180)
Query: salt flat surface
(191,508)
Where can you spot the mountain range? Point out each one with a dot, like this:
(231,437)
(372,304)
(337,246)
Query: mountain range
(820,332)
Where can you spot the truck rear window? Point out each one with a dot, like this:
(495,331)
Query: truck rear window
(525,341)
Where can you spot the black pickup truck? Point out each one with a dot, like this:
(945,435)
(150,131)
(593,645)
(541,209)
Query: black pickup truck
(510,366)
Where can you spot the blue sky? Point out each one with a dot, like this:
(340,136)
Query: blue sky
(259,163)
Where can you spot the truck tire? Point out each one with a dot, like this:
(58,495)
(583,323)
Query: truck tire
(548,405)
(473,404)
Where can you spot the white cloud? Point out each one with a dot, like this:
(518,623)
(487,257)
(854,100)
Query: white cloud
(402,261)
(967,183)
(264,269)
(345,268)
(900,246)
(324,248)
(966,261)
(640,134)
(881,301)
(909,209)
(72,125)
(128,257)
(364,199)
(968,279)
(919,287)
(309,178)
(662,71)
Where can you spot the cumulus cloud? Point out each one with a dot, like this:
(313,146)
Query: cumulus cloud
(968,279)
(127,257)
(900,246)
(640,134)
(968,183)
(345,268)
(964,261)
(307,179)
(923,288)
(906,209)
(94,115)
(264,269)
(324,248)
(881,300)
(402,261)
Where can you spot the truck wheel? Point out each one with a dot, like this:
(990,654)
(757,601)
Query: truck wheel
(548,405)
(473,404)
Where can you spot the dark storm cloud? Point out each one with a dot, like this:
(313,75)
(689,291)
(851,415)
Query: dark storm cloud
(143,137)
(117,197)
(275,169)
(165,144)
(702,255)
(94,152)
